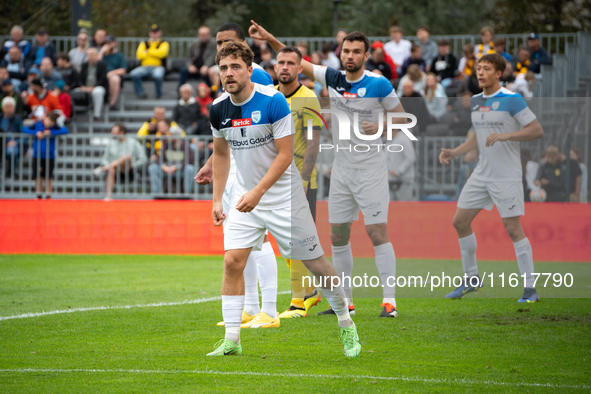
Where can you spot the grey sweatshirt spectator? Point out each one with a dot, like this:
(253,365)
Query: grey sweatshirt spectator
(428,46)
(78,54)
(68,72)
(187,112)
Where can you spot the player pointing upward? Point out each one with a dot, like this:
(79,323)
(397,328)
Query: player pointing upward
(501,119)
(254,122)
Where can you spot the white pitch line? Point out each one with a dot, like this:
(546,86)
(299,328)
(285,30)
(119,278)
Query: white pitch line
(294,375)
(103,308)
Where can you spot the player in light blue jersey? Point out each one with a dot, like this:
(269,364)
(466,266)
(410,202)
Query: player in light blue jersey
(500,119)
(262,266)
(359,179)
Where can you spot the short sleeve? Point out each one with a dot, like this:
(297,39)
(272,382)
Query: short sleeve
(521,112)
(216,133)
(320,74)
(387,95)
(261,77)
(280,117)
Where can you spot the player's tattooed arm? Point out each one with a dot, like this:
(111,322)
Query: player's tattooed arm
(447,155)
(530,132)
(258,32)
(311,155)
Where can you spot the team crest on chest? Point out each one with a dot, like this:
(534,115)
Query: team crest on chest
(495,105)
(361,92)
(256,116)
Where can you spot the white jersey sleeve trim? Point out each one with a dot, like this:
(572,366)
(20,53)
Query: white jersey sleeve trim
(320,74)
(216,133)
(284,127)
(525,117)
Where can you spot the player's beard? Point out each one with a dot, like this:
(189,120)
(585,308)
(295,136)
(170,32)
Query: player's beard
(237,88)
(353,68)
(286,79)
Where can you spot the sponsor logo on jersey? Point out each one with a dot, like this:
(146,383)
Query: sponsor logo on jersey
(256,116)
(349,95)
(495,105)
(361,92)
(241,122)
(484,109)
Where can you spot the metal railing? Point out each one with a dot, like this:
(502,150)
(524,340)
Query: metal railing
(554,43)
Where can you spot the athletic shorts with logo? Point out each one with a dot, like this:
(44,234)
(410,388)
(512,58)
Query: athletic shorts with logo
(292,227)
(507,196)
(352,190)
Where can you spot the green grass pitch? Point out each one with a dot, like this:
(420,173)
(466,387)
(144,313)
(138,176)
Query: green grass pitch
(158,345)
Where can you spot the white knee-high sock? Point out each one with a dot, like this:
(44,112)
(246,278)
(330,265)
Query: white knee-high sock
(342,259)
(232,311)
(468,249)
(338,303)
(386,264)
(525,261)
(267,272)
(251,291)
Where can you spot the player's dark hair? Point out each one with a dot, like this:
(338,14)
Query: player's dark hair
(495,59)
(235,27)
(122,128)
(236,49)
(290,49)
(357,36)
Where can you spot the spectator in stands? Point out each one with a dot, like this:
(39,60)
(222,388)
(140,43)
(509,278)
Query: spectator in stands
(4,74)
(398,49)
(377,62)
(429,50)
(524,84)
(387,59)
(575,155)
(204,99)
(116,68)
(121,158)
(445,65)
(338,45)
(177,161)
(270,69)
(26,85)
(16,39)
(469,84)
(499,47)
(267,57)
(44,154)
(99,39)
(187,113)
(415,58)
(522,63)
(329,59)
(16,65)
(152,54)
(68,72)
(467,62)
(486,45)
(150,128)
(412,101)
(435,97)
(416,76)
(529,169)
(49,76)
(469,162)
(42,102)
(63,97)
(201,57)
(303,47)
(78,54)
(93,81)
(459,115)
(12,126)
(575,180)
(551,176)
(401,167)
(256,47)
(42,48)
(9,91)
(538,54)
(507,77)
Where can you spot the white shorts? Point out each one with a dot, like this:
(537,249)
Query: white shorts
(354,189)
(292,226)
(507,196)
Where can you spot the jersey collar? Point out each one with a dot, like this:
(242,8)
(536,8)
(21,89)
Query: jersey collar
(294,92)
(494,94)
(358,79)
(247,100)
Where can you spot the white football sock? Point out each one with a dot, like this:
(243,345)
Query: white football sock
(266,265)
(337,301)
(251,291)
(386,264)
(468,249)
(232,311)
(525,261)
(342,259)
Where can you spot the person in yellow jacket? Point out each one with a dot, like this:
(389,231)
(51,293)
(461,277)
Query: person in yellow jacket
(150,128)
(152,54)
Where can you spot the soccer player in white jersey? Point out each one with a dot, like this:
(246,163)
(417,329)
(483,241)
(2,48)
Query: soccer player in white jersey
(262,264)
(501,119)
(359,180)
(254,124)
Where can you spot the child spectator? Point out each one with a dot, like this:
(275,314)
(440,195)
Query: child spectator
(499,47)
(44,153)
(429,48)
(415,58)
(416,76)
(486,46)
(467,62)
(68,72)
(435,97)
(444,65)
(64,98)
(522,62)
(398,49)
